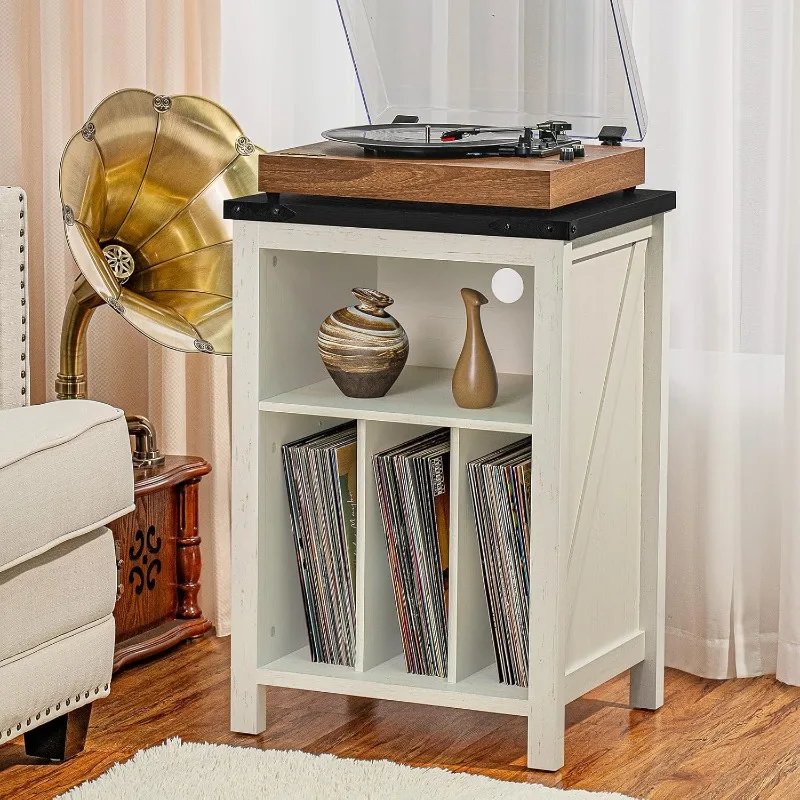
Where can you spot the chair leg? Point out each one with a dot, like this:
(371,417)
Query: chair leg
(61,738)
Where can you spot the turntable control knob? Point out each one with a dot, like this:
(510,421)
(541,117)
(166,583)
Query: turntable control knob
(567,154)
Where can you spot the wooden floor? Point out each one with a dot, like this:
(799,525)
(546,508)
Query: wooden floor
(713,739)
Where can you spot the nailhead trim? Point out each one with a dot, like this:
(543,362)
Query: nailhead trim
(46,712)
(23,388)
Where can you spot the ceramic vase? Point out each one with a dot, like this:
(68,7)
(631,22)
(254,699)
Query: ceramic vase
(363,347)
(475,378)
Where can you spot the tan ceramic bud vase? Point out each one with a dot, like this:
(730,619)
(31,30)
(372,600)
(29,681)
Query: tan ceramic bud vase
(363,347)
(475,378)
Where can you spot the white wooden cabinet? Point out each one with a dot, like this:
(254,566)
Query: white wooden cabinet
(581,363)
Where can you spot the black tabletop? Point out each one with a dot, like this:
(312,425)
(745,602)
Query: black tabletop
(567,223)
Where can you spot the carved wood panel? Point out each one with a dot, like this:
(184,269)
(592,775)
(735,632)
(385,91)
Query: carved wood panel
(148,550)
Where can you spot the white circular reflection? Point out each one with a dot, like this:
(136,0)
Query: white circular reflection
(507,285)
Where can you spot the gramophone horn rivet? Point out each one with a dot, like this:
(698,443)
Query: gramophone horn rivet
(244,146)
(120,261)
(162,103)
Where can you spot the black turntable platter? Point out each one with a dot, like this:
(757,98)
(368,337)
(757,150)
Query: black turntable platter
(442,140)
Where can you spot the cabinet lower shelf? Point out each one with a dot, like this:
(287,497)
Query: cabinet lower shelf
(390,681)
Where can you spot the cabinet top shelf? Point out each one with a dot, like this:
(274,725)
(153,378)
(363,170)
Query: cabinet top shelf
(421,396)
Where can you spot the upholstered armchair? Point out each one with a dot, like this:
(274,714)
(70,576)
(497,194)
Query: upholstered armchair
(65,472)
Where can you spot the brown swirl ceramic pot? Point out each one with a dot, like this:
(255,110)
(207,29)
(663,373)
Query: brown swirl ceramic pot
(363,348)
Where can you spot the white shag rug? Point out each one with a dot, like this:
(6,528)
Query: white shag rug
(179,769)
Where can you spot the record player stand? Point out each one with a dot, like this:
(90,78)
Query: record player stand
(581,358)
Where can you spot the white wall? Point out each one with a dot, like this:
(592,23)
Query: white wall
(286,70)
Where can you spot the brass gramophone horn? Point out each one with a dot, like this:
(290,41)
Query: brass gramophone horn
(142,186)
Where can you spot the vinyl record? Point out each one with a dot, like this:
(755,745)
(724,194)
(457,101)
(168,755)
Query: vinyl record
(438,140)
(417,139)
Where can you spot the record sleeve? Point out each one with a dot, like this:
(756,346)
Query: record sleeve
(500,490)
(413,488)
(320,473)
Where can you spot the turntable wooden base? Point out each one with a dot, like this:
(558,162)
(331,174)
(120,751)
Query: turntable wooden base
(332,169)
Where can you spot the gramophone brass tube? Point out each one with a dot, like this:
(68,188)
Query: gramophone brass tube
(145,451)
(71,380)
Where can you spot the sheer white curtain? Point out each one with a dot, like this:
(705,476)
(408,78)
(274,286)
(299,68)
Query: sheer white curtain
(718,80)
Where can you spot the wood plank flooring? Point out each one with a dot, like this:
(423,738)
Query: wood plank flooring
(713,739)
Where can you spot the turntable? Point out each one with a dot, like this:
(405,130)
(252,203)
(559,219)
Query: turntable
(493,105)
(486,167)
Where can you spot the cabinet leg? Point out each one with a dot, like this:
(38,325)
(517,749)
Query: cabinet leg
(248,706)
(546,737)
(647,685)
(61,738)
(550,519)
(647,678)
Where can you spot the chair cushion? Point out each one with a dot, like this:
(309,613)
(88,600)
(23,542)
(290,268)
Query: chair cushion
(65,470)
(71,585)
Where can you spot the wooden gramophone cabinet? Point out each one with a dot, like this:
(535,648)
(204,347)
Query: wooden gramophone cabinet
(158,561)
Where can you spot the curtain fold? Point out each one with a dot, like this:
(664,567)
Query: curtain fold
(720,92)
(788,656)
(58,60)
